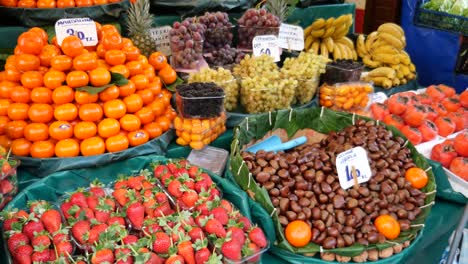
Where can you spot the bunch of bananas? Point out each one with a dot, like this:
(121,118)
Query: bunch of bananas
(328,37)
(383,50)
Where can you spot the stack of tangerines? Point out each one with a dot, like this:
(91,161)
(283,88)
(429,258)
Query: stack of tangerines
(44,114)
(54,3)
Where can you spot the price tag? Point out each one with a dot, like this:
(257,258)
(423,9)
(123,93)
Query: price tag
(291,37)
(162,38)
(266,44)
(83,28)
(378,97)
(353,161)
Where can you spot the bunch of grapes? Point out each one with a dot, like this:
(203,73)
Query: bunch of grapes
(306,69)
(225,56)
(256,22)
(187,43)
(224,79)
(252,66)
(218,31)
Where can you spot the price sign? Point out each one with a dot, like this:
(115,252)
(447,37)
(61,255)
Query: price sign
(291,37)
(378,97)
(83,28)
(266,44)
(162,38)
(353,167)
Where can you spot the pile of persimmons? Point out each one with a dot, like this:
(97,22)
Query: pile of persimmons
(62,100)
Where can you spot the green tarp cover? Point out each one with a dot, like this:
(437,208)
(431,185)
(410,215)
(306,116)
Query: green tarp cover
(195,7)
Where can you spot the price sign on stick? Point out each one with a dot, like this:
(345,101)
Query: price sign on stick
(162,38)
(353,167)
(266,44)
(83,28)
(291,37)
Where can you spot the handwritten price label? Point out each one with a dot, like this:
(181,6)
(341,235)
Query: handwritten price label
(291,37)
(162,38)
(353,161)
(266,44)
(83,28)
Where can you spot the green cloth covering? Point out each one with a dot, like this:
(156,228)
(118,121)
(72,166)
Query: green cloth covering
(444,189)
(189,8)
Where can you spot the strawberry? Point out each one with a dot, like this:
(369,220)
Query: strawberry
(149,205)
(250,250)
(65,207)
(226,205)
(160,197)
(123,255)
(64,248)
(213,226)
(38,206)
(232,250)
(159,171)
(237,234)
(92,202)
(33,226)
(193,172)
(52,220)
(41,256)
(201,186)
(172,168)
(136,214)
(246,223)
(130,239)
(102,212)
(163,210)
(151,227)
(220,214)
(214,193)
(97,191)
(103,256)
(206,178)
(22,254)
(52,256)
(80,231)
(16,240)
(175,259)
(189,183)
(78,198)
(6,167)
(189,199)
(8,223)
(203,209)
(202,256)
(120,196)
(41,240)
(60,235)
(135,183)
(185,250)
(161,243)
(257,236)
(6,186)
(110,202)
(84,213)
(174,188)
(195,234)
(115,219)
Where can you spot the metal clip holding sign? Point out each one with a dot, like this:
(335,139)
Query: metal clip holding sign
(83,28)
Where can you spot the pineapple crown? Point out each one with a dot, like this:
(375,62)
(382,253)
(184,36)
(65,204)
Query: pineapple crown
(139,19)
(280,8)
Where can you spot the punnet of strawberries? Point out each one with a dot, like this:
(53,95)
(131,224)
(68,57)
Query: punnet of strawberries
(8,177)
(136,220)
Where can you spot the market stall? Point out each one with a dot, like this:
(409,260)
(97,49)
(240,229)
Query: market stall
(235,132)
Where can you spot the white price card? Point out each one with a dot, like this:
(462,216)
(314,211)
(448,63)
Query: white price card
(84,28)
(266,44)
(353,161)
(291,37)
(162,38)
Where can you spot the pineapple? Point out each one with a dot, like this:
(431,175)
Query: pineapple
(139,23)
(278,8)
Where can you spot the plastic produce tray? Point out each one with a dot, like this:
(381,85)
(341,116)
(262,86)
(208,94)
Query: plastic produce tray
(440,20)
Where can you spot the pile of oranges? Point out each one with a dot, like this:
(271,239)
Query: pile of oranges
(54,3)
(43,114)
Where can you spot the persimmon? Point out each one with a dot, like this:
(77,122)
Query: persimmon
(415,115)
(445,126)
(417,177)
(461,144)
(42,149)
(387,226)
(92,146)
(436,93)
(67,148)
(452,104)
(459,166)
(117,143)
(447,90)
(397,104)
(138,137)
(429,130)
(444,152)
(464,98)
(298,233)
(431,113)
(440,109)
(458,119)
(412,133)
(21,147)
(394,120)
(36,132)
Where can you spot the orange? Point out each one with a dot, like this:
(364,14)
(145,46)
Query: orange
(30,42)
(117,143)
(32,79)
(83,3)
(146,115)
(84,130)
(134,103)
(126,41)
(15,129)
(417,177)
(65,3)
(92,146)
(108,127)
(110,93)
(20,147)
(157,107)
(5,89)
(140,81)
(12,75)
(42,33)
(103,64)
(127,89)
(98,29)
(45,4)
(60,130)
(67,148)
(43,70)
(101,51)
(146,95)
(170,113)
(40,113)
(131,52)
(27,62)
(90,112)
(115,108)
(72,46)
(26,3)
(77,79)
(138,137)
(85,62)
(99,77)
(66,112)
(135,67)
(36,132)
(53,79)
(41,95)
(130,122)
(3,124)
(298,233)
(19,94)
(82,97)
(61,63)
(48,52)
(164,122)
(115,57)
(5,141)
(168,75)
(42,149)
(149,72)
(18,111)
(62,95)
(158,60)
(143,60)
(4,104)
(387,226)
(112,41)
(122,69)
(108,28)
(153,130)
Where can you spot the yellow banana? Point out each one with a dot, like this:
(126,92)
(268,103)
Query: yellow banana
(403,81)
(371,38)
(341,31)
(405,70)
(346,50)
(346,41)
(318,24)
(382,81)
(308,42)
(337,53)
(355,56)
(395,82)
(383,72)
(340,20)
(316,46)
(411,76)
(323,50)
(317,33)
(386,58)
(412,68)
(386,49)
(391,29)
(392,40)
(329,32)
(369,62)
(330,22)
(404,59)
(360,46)
(330,44)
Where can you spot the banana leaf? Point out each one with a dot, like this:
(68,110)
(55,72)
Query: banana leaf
(322,120)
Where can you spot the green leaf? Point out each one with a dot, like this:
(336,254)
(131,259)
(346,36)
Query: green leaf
(118,79)
(172,87)
(94,90)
